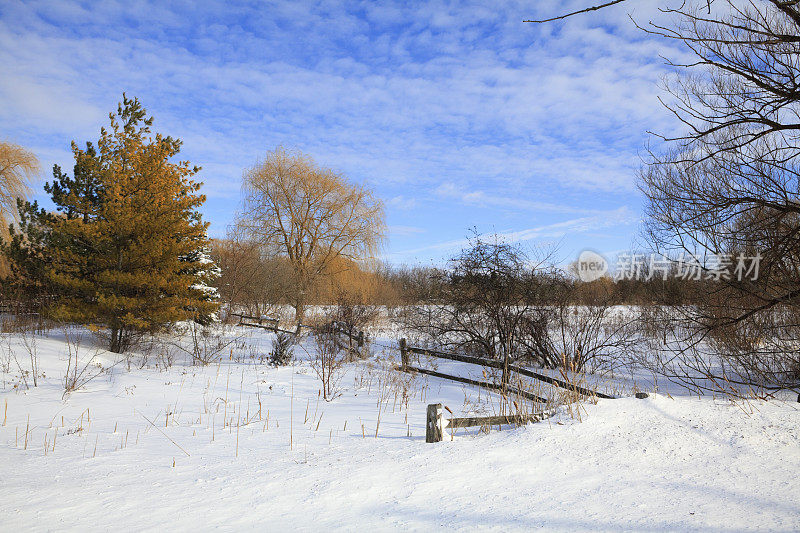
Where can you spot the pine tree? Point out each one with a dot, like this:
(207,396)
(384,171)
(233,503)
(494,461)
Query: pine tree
(30,242)
(73,196)
(27,249)
(127,253)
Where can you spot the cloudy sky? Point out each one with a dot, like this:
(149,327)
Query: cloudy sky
(459,115)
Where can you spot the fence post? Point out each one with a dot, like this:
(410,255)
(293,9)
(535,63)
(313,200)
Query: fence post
(403,355)
(434,426)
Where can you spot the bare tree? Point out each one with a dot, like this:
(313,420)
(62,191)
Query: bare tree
(251,280)
(327,361)
(488,304)
(744,82)
(309,214)
(728,188)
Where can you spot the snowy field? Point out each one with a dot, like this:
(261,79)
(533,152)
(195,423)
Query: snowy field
(240,445)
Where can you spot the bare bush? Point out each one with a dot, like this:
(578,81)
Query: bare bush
(351,316)
(165,357)
(206,344)
(593,336)
(29,342)
(327,361)
(699,349)
(495,302)
(486,304)
(79,372)
(28,367)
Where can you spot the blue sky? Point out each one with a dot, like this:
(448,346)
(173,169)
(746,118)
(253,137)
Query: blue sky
(458,114)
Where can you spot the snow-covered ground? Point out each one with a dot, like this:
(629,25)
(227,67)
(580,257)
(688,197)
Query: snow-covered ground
(242,445)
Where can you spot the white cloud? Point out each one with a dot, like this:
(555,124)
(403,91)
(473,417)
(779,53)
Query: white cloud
(405,230)
(557,230)
(401,202)
(408,98)
(517,202)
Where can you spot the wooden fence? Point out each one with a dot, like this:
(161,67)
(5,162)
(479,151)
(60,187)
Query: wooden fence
(405,366)
(257,321)
(405,350)
(436,422)
(358,337)
(272,324)
(263,322)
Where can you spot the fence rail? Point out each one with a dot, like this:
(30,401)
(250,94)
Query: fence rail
(359,337)
(272,324)
(436,423)
(486,384)
(261,319)
(405,349)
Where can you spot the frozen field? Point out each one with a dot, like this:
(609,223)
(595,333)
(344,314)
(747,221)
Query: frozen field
(242,445)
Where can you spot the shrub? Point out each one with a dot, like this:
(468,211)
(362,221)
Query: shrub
(282,352)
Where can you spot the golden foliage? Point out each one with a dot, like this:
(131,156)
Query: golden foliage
(134,261)
(258,283)
(18,168)
(311,215)
(348,277)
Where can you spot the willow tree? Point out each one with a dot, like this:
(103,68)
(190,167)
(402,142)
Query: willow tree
(18,167)
(311,215)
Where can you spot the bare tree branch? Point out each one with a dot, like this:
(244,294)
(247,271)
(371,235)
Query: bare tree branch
(587,10)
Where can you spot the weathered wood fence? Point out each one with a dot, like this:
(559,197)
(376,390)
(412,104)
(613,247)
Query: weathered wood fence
(436,422)
(357,337)
(263,322)
(272,324)
(257,321)
(405,350)
(405,366)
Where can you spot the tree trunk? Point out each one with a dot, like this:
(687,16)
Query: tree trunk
(299,313)
(116,335)
(300,306)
